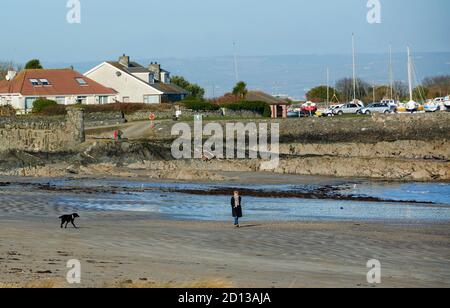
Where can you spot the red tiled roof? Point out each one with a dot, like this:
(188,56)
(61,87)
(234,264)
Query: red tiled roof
(62,82)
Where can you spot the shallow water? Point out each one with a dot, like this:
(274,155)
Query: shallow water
(217,208)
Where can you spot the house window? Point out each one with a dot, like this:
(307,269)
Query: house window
(61,100)
(81,100)
(151,99)
(35,82)
(44,82)
(126,99)
(81,81)
(29,101)
(103,100)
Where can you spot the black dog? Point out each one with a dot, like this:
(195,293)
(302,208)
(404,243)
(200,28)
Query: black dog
(65,219)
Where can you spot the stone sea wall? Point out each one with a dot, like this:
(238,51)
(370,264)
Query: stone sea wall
(42,134)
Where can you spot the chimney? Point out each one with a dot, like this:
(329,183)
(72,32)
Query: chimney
(155,68)
(10,75)
(124,60)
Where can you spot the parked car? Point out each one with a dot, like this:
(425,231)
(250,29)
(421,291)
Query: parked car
(439,100)
(447,102)
(392,103)
(350,108)
(378,108)
(328,112)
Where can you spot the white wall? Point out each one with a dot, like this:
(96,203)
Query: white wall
(125,84)
(16,101)
(147,77)
(165,77)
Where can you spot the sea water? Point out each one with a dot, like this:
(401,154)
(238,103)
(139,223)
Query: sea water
(431,201)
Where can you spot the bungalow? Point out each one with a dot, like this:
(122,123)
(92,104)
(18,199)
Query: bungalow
(65,86)
(136,83)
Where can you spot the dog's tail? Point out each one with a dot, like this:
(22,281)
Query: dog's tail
(60,217)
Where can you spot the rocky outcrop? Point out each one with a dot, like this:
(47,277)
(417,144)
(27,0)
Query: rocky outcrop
(398,147)
(406,149)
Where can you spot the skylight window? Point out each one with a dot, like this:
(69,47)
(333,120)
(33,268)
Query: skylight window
(81,81)
(35,82)
(44,82)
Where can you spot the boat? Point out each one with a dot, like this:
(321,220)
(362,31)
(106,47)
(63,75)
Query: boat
(309,107)
(433,105)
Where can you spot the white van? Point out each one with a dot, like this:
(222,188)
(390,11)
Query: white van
(447,102)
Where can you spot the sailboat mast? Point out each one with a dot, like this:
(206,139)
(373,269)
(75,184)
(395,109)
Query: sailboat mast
(410,75)
(354,67)
(374,88)
(236,70)
(391,74)
(328,87)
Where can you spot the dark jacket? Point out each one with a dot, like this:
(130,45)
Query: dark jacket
(236,211)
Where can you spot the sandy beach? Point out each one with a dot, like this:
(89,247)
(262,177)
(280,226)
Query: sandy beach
(114,247)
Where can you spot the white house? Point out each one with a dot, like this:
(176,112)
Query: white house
(65,86)
(135,83)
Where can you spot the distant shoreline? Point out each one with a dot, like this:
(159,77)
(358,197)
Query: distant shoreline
(295,69)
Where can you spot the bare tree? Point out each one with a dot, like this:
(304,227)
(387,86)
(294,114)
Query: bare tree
(437,86)
(400,90)
(345,88)
(6,66)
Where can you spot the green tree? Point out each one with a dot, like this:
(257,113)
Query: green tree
(240,90)
(180,81)
(194,90)
(319,94)
(34,64)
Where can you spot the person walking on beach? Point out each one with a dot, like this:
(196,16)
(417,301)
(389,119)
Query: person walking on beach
(236,206)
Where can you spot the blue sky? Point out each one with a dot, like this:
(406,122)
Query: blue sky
(191,28)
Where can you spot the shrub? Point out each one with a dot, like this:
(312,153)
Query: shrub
(126,108)
(200,105)
(7,111)
(54,110)
(42,103)
(228,98)
(254,106)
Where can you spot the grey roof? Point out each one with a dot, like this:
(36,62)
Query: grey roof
(137,68)
(168,88)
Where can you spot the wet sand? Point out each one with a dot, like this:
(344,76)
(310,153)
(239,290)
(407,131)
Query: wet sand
(118,246)
(114,247)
